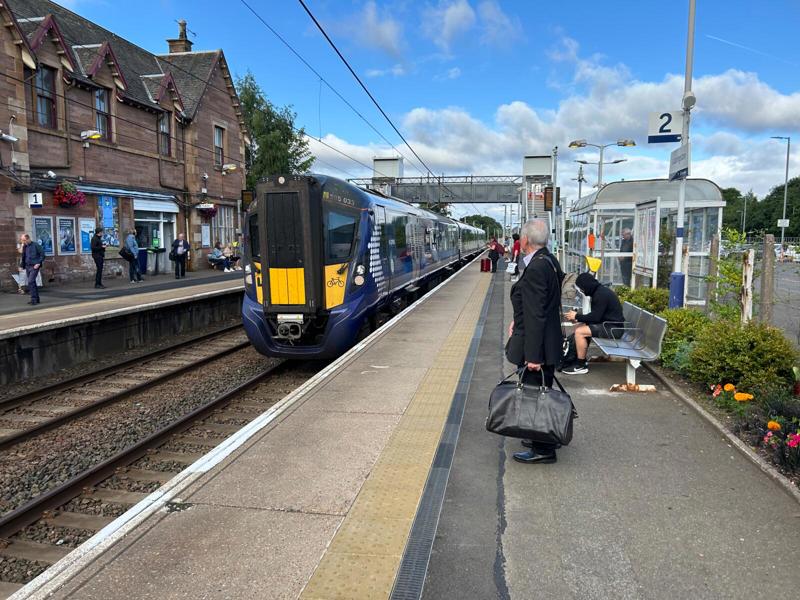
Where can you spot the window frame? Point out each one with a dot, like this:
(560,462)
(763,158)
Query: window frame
(327,240)
(219,149)
(48,96)
(165,117)
(105,114)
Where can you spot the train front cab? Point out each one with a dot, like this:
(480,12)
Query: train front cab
(302,247)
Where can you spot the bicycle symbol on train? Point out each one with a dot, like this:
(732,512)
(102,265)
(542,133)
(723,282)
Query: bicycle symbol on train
(335,281)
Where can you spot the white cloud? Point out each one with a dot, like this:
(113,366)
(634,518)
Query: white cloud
(736,114)
(450,74)
(397,70)
(377,31)
(448,21)
(498,28)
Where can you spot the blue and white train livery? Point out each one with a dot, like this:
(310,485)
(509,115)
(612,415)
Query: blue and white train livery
(322,257)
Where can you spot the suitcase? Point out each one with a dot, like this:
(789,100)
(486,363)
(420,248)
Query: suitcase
(486,265)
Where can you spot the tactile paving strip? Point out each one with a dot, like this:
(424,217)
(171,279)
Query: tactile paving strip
(365,554)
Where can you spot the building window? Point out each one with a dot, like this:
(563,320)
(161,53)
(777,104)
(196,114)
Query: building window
(102,119)
(165,134)
(46,97)
(222,229)
(219,146)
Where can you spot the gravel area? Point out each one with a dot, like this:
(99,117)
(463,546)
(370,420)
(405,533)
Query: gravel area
(153,464)
(113,358)
(58,536)
(116,482)
(95,506)
(191,448)
(19,570)
(32,467)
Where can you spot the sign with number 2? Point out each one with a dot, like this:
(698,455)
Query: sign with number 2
(665,127)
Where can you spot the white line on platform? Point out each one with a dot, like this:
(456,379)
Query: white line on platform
(80,558)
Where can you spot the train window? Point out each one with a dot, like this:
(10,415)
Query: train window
(340,232)
(255,239)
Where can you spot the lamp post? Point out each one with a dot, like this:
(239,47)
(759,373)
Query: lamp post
(580,179)
(625,143)
(785,186)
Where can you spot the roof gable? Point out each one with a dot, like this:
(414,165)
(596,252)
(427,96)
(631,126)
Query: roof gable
(105,55)
(20,39)
(49,28)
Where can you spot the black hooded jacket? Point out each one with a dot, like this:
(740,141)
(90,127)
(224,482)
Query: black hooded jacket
(606,307)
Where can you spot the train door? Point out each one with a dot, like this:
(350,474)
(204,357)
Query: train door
(384,263)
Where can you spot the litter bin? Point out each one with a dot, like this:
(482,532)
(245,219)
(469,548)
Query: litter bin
(142,258)
(157,255)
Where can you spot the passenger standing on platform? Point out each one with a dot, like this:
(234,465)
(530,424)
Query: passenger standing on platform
(494,253)
(99,255)
(626,262)
(535,333)
(180,252)
(516,255)
(32,259)
(133,265)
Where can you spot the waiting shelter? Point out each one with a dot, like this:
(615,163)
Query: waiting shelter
(634,223)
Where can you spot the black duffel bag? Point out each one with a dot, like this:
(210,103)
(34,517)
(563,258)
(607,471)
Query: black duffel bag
(531,412)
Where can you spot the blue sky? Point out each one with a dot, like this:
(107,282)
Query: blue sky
(476,84)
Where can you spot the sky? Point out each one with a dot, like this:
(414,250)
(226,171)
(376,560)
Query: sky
(475,85)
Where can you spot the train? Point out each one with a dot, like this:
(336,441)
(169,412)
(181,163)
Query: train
(322,258)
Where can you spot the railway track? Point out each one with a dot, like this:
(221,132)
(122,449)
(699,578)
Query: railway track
(27,415)
(40,532)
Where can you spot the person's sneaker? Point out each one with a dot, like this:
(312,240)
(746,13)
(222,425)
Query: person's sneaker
(227,270)
(576,369)
(133,281)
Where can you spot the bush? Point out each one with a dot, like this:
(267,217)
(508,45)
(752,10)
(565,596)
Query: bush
(683,327)
(652,300)
(751,356)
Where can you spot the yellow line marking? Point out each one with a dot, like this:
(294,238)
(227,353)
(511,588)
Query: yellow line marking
(364,555)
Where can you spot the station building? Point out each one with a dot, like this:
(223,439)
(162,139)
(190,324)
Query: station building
(96,131)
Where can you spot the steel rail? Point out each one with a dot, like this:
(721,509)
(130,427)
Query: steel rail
(29,513)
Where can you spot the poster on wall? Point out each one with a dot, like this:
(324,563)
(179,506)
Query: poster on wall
(205,235)
(645,239)
(66,235)
(43,234)
(108,214)
(87,228)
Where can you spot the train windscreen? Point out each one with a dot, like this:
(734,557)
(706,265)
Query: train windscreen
(340,233)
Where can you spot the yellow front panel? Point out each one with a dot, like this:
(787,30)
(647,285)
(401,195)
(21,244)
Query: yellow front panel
(335,284)
(287,286)
(259,282)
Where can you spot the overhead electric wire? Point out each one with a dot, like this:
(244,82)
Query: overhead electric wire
(333,89)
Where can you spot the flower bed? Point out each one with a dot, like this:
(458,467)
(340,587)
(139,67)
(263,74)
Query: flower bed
(745,372)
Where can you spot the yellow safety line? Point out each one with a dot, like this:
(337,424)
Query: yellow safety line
(363,558)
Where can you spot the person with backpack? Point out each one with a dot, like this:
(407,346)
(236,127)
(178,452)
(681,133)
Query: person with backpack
(131,249)
(98,247)
(604,321)
(32,259)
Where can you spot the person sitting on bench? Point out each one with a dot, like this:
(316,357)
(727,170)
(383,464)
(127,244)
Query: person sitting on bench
(606,315)
(218,259)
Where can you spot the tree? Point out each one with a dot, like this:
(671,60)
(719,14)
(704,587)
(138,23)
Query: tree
(276,145)
(488,224)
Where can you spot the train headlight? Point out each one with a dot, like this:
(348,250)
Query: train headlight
(360,270)
(358,279)
(248,277)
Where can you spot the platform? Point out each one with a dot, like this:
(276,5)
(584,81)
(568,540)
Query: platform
(71,303)
(336,491)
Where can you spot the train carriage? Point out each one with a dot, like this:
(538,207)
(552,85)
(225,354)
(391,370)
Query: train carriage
(322,256)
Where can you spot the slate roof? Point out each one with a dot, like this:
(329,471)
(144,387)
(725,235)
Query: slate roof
(190,71)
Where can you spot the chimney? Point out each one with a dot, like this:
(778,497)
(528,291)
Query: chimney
(182,43)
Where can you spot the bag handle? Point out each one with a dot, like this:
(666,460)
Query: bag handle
(520,370)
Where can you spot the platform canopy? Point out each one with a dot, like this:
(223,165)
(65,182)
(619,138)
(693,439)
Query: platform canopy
(626,194)
(453,189)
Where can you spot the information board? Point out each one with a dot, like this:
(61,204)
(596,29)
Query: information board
(645,239)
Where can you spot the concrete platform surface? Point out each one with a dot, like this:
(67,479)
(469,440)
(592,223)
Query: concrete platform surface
(343,468)
(80,306)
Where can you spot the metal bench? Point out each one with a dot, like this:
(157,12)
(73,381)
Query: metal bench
(641,340)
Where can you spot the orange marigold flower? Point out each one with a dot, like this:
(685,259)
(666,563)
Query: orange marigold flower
(742,397)
(729,387)
(774,426)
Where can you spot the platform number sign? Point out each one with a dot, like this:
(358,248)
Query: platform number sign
(665,127)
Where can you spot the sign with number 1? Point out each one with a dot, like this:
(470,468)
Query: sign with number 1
(665,127)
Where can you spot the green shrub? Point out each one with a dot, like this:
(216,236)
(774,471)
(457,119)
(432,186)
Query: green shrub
(653,300)
(683,327)
(751,356)
(681,358)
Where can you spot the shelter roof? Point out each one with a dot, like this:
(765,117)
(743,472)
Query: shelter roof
(628,193)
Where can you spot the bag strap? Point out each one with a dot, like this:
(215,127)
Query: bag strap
(560,303)
(560,387)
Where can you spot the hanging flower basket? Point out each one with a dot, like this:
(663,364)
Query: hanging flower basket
(66,195)
(207,210)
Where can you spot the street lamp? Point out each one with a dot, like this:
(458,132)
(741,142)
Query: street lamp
(91,134)
(624,143)
(785,186)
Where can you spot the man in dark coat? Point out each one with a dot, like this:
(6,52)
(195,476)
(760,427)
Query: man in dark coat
(626,262)
(32,259)
(535,333)
(604,321)
(99,255)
